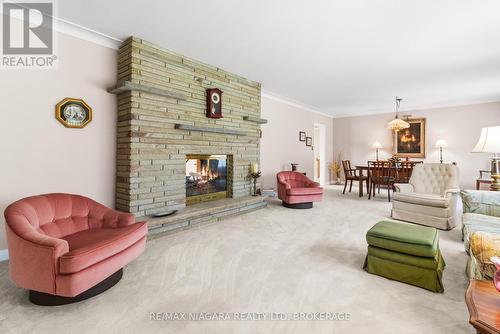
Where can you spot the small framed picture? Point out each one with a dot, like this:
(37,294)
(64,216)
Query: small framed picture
(73,113)
(309,141)
(302,136)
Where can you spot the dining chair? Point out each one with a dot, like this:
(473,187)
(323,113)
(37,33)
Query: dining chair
(381,173)
(403,172)
(351,174)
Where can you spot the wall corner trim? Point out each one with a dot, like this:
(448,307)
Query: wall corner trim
(4,255)
(296,104)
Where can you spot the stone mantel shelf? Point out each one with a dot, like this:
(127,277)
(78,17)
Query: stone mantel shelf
(208,129)
(126,86)
(255,119)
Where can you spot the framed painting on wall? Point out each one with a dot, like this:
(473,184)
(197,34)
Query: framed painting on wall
(411,142)
(309,141)
(302,136)
(73,113)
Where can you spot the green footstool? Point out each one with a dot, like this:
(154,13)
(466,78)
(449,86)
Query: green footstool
(406,253)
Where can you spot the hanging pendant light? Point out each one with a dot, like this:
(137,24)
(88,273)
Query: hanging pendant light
(397,124)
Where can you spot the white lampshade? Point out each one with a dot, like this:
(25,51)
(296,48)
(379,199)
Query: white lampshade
(441,144)
(489,141)
(377,145)
(398,124)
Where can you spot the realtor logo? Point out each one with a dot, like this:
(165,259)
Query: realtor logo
(27,35)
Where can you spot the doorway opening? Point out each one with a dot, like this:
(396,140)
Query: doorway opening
(319,153)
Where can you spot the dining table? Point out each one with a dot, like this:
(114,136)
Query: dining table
(362,168)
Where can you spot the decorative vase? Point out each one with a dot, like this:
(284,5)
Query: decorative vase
(496,278)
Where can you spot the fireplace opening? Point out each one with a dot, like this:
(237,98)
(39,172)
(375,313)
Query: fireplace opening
(206,178)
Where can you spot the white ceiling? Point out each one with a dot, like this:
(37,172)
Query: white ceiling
(339,57)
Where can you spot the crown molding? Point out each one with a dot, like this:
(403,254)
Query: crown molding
(76,30)
(417,108)
(296,104)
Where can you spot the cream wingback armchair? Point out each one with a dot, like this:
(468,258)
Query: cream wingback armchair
(432,197)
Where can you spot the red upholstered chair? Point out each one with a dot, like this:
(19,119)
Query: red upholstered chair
(66,248)
(296,191)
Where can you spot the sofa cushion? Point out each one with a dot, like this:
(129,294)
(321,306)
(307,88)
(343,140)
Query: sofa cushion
(74,284)
(479,220)
(404,238)
(92,246)
(305,191)
(428,211)
(474,222)
(483,202)
(483,246)
(422,199)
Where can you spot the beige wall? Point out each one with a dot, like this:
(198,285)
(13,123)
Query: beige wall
(459,126)
(39,154)
(280,144)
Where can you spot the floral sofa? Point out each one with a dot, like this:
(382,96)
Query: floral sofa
(481,231)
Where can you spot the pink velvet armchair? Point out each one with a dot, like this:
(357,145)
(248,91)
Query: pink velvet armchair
(297,191)
(66,248)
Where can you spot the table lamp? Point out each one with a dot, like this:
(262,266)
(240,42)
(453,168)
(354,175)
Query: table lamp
(441,144)
(376,145)
(489,142)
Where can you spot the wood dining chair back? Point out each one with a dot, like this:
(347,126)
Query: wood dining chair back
(381,173)
(404,171)
(351,174)
(348,170)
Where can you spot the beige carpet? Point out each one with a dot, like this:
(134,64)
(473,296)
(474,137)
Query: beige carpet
(272,260)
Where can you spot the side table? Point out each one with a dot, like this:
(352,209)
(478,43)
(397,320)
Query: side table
(483,302)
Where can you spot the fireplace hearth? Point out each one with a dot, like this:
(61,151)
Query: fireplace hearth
(206,178)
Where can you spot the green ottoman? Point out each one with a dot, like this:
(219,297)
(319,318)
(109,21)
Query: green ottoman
(406,253)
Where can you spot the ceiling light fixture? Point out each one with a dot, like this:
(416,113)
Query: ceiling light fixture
(398,124)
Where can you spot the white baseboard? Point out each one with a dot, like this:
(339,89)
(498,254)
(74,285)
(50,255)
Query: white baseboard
(4,254)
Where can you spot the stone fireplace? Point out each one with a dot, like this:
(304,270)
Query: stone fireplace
(169,153)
